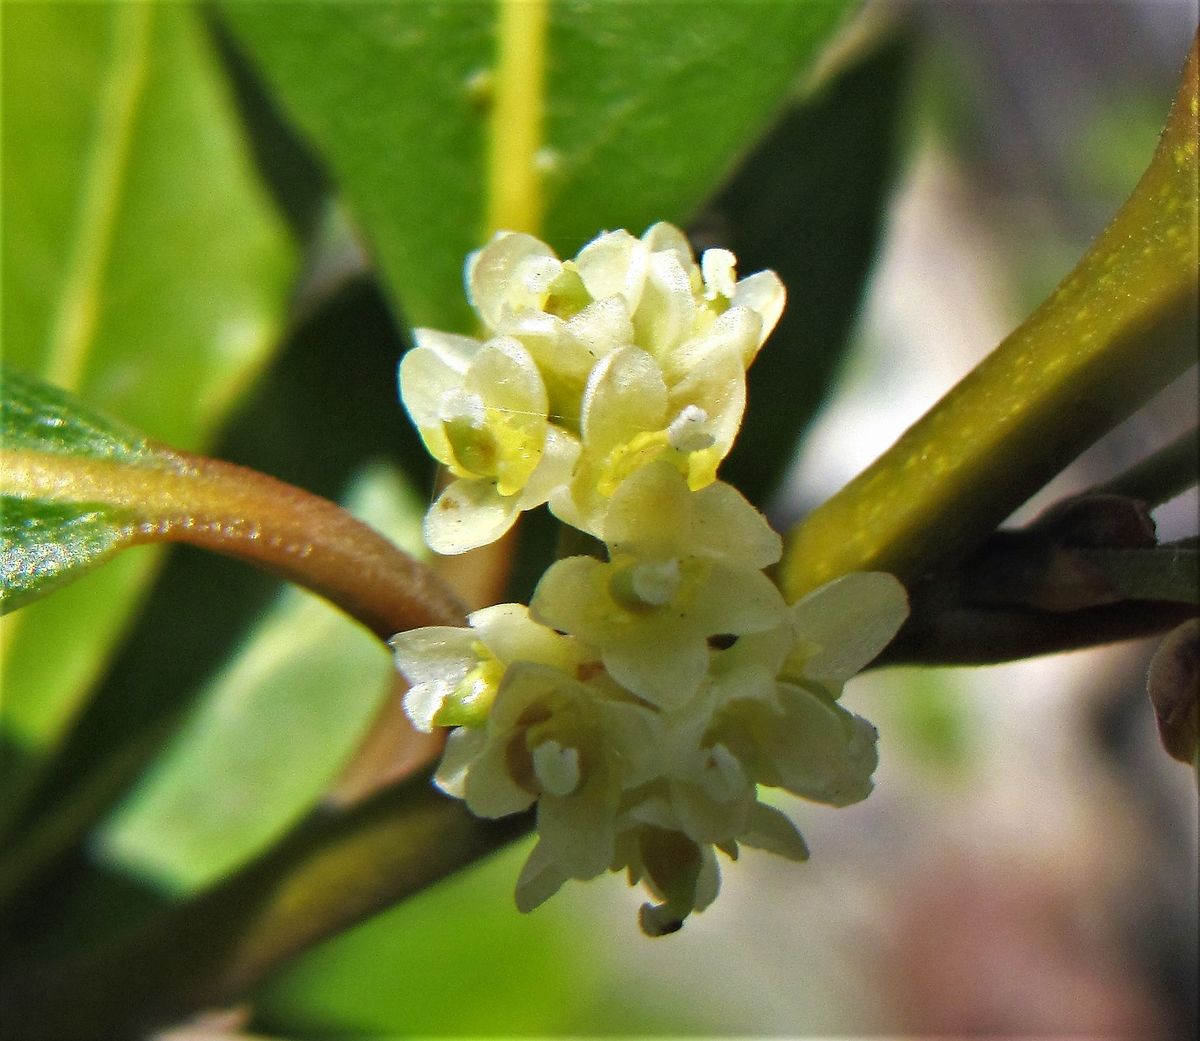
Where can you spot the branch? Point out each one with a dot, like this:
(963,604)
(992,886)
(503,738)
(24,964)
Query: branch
(1169,472)
(1086,573)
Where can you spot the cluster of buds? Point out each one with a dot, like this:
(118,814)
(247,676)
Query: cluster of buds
(644,697)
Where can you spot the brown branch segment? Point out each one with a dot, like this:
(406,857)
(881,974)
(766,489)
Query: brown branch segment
(245,514)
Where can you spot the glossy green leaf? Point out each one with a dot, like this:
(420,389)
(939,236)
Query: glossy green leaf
(145,270)
(645,108)
(44,543)
(270,730)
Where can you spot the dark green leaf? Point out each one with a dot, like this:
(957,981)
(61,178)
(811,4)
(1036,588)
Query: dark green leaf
(646,107)
(44,543)
(809,203)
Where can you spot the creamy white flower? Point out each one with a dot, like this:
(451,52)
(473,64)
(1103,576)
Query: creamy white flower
(683,567)
(631,416)
(631,347)
(481,409)
(454,673)
(570,747)
(644,701)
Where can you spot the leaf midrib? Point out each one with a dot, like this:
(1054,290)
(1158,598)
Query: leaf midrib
(74,322)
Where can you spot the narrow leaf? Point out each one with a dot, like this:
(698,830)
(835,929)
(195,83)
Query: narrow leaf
(43,542)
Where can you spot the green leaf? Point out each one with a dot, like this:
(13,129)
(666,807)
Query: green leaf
(44,543)
(644,108)
(347,986)
(270,730)
(145,270)
(650,105)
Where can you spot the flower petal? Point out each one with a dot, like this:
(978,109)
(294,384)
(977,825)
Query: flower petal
(463,747)
(614,265)
(468,514)
(659,663)
(512,636)
(666,315)
(539,880)
(850,620)
(489,788)
(510,274)
(650,514)
(625,395)
(736,599)
(560,453)
(765,295)
(455,351)
(435,660)
(725,526)
(823,752)
(774,831)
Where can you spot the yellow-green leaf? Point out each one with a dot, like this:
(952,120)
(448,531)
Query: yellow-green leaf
(145,269)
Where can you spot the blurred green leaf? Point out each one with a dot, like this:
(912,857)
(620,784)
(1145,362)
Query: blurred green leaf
(647,106)
(651,105)
(375,980)
(145,271)
(326,407)
(270,731)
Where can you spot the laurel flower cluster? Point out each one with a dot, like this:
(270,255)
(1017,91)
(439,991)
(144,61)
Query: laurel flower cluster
(646,697)
(587,369)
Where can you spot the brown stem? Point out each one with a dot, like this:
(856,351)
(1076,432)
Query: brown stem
(239,512)
(942,630)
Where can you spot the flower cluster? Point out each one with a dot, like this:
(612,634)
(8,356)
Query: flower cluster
(642,699)
(589,369)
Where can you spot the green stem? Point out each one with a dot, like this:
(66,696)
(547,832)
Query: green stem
(947,629)
(1169,472)
(1170,572)
(1120,327)
(212,950)
(241,513)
